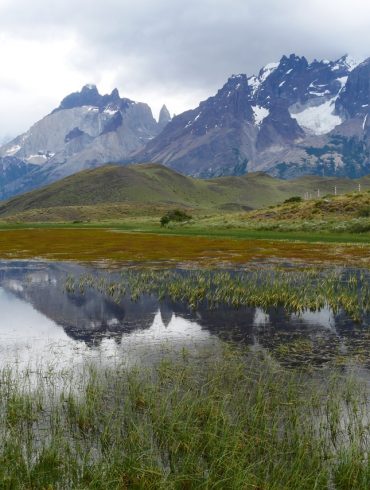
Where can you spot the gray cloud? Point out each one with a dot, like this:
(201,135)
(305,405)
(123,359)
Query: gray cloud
(169,49)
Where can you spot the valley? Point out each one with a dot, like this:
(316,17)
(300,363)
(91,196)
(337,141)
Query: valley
(185,300)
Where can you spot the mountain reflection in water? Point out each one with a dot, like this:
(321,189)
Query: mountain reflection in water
(41,322)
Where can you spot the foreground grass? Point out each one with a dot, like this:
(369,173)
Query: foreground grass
(218,419)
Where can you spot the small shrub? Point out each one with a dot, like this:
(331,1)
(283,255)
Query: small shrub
(293,199)
(175,215)
(164,220)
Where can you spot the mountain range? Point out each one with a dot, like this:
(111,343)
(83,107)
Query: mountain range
(293,118)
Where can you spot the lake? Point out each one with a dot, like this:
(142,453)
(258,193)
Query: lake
(44,323)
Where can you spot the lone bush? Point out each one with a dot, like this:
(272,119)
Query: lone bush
(293,199)
(175,215)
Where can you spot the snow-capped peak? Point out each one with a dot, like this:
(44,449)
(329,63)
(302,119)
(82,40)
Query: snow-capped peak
(255,81)
(351,62)
(267,70)
(348,61)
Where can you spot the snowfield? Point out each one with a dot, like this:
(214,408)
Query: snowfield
(320,119)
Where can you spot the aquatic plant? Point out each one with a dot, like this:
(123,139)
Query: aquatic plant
(294,290)
(213,419)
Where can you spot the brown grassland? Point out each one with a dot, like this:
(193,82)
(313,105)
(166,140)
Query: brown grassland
(96,245)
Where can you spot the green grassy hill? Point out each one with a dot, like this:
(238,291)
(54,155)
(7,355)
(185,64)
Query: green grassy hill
(352,205)
(114,191)
(349,213)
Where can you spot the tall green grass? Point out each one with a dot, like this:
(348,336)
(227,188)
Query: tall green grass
(295,290)
(224,419)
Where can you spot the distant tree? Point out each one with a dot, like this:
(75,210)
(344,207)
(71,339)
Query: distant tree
(164,220)
(174,215)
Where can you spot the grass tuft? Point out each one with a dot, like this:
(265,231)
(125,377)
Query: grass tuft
(228,419)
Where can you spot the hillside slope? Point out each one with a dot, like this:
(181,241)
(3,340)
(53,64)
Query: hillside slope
(139,186)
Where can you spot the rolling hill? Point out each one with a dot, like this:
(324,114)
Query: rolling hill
(111,191)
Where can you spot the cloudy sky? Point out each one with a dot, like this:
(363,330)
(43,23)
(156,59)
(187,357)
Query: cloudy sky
(158,51)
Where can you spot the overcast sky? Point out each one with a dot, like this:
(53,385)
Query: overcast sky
(176,52)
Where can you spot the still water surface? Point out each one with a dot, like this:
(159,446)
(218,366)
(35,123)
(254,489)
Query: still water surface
(43,324)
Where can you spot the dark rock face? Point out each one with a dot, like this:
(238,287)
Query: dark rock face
(278,128)
(74,133)
(206,139)
(113,124)
(89,96)
(281,122)
(355,97)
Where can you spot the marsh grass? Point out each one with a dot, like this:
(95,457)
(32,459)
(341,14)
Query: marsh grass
(218,247)
(228,419)
(296,291)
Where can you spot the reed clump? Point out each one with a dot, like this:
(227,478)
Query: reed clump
(296,291)
(222,418)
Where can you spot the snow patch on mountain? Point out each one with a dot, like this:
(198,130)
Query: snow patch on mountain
(38,159)
(12,150)
(319,119)
(260,113)
(267,70)
(110,111)
(351,62)
(347,61)
(342,81)
(364,123)
(255,82)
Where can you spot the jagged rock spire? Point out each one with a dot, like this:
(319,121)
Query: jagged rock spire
(164,117)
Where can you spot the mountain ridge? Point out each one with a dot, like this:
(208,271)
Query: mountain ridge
(294,118)
(272,121)
(86,130)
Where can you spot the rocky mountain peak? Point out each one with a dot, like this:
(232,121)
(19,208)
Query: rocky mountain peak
(89,87)
(233,99)
(354,99)
(236,84)
(115,95)
(293,61)
(86,130)
(347,61)
(294,117)
(90,96)
(164,117)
